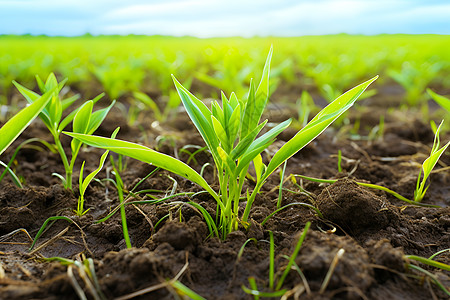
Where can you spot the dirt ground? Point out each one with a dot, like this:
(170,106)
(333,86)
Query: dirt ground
(170,239)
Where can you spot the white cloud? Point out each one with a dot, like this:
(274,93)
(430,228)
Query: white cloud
(224,18)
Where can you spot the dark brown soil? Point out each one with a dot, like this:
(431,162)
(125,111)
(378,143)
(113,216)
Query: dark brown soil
(374,229)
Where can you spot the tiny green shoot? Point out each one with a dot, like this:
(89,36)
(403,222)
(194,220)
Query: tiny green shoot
(84,120)
(277,291)
(120,190)
(84,182)
(44,225)
(428,165)
(293,256)
(432,263)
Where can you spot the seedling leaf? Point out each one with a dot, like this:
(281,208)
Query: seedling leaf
(14,127)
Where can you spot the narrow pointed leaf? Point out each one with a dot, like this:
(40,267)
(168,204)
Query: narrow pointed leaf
(66,121)
(200,116)
(441,100)
(221,134)
(14,127)
(40,83)
(81,123)
(69,101)
(88,179)
(51,82)
(147,155)
(233,101)
(259,166)
(242,146)
(98,117)
(317,125)
(249,116)
(262,92)
(83,117)
(233,125)
(261,143)
(54,109)
(31,96)
(61,84)
(217,112)
(257,100)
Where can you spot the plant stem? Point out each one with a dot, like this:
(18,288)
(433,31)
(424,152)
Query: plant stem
(122,208)
(250,200)
(68,183)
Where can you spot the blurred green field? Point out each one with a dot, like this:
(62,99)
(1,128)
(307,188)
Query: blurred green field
(136,70)
(330,64)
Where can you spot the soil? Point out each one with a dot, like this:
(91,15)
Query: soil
(171,239)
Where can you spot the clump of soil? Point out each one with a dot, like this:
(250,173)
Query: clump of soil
(354,208)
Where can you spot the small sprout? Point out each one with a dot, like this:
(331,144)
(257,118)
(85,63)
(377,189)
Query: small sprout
(427,167)
(432,263)
(84,120)
(84,183)
(120,191)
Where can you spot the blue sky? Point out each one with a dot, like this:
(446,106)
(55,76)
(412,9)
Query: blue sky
(206,18)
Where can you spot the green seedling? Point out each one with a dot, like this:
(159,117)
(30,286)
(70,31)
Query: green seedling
(430,261)
(428,165)
(230,133)
(84,120)
(84,183)
(44,226)
(120,191)
(86,272)
(276,290)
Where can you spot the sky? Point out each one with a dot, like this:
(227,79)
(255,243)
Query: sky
(217,18)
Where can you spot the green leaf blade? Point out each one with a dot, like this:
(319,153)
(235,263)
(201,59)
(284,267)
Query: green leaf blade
(17,124)
(31,97)
(146,155)
(317,125)
(441,100)
(200,115)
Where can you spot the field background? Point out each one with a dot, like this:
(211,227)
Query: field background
(120,65)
